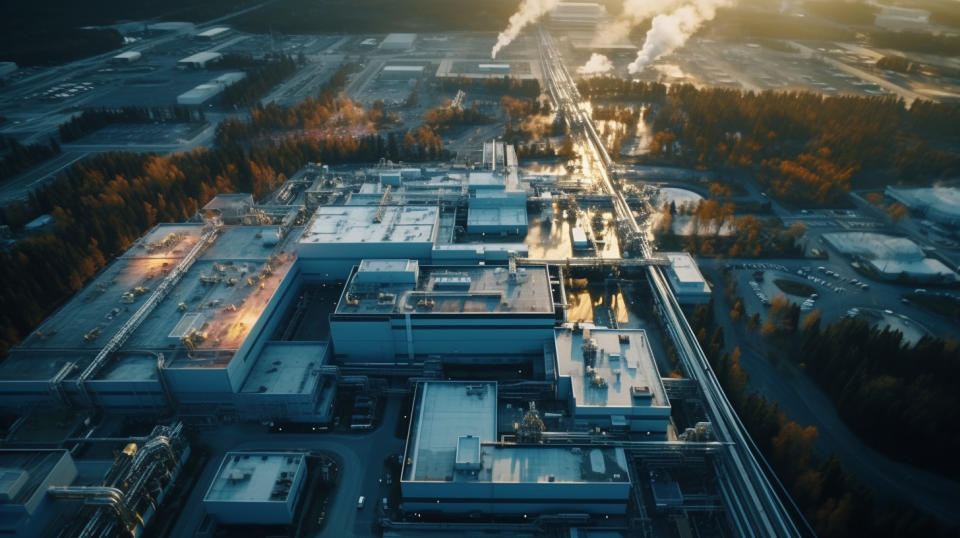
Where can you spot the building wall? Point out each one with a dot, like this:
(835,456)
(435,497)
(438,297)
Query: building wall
(334,261)
(362,339)
(516,498)
(127,396)
(259,513)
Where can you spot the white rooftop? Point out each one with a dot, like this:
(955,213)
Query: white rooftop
(539,464)
(623,351)
(943,200)
(254,477)
(215,31)
(452,439)
(445,412)
(200,57)
(404,68)
(355,224)
(450,289)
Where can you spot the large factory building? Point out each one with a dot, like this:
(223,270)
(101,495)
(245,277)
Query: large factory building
(455,464)
(399,311)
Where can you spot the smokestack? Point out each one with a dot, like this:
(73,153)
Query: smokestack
(529,12)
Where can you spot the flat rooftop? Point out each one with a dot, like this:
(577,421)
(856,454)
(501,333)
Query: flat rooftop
(506,217)
(685,268)
(624,360)
(205,56)
(286,368)
(445,411)
(255,477)
(97,311)
(452,414)
(356,224)
(453,290)
(518,69)
(540,464)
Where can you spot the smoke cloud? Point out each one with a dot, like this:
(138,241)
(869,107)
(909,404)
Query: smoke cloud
(598,64)
(530,11)
(633,13)
(669,32)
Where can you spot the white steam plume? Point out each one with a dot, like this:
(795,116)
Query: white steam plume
(529,12)
(598,64)
(669,32)
(633,13)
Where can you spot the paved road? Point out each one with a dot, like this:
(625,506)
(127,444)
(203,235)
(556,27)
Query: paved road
(20,187)
(802,401)
(361,459)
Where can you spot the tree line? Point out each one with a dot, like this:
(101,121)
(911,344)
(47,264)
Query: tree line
(106,202)
(504,85)
(18,157)
(715,230)
(93,119)
(261,77)
(900,397)
(827,494)
(809,148)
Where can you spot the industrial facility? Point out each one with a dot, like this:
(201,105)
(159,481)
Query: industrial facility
(343,287)
(889,257)
(208,90)
(200,60)
(939,204)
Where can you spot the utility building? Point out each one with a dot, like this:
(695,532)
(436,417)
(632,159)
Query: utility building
(686,280)
(398,42)
(610,379)
(398,311)
(256,488)
(453,463)
(199,60)
(208,90)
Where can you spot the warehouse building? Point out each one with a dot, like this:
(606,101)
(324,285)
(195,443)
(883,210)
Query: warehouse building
(453,463)
(200,60)
(337,237)
(577,14)
(398,42)
(686,280)
(498,213)
(453,68)
(213,34)
(889,257)
(610,379)
(939,204)
(401,72)
(206,306)
(205,92)
(256,488)
(396,311)
(125,58)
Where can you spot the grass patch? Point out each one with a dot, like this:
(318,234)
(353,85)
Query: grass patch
(792,287)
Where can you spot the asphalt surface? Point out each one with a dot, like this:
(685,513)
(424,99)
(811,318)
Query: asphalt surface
(360,456)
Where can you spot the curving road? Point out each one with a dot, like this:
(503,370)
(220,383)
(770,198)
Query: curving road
(804,402)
